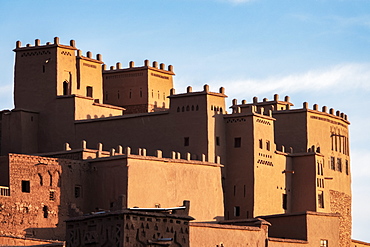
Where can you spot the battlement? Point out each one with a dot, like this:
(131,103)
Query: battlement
(160,68)
(56,43)
(141,153)
(325,111)
(189,92)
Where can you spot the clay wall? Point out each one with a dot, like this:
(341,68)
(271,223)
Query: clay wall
(159,86)
(239,180)
(19,132)
(86,108)
(14,241)
(66,79)
(204,235)
(124,87)
(310,226)
(154,182)
(304,189)
(270,184)
(89,75)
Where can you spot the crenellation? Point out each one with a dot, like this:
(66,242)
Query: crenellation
(337,113)
(118,65)
(162,66)
(189,89)
(170,68)
(72,43)
(37,42)
(255,99)
(265,100)
(234,101)
(99,57)
(155,64)
(56,40)
(89,54)
(146,63)
(119,149)
(287,99)
(244,102)
(206,88)
(324,109)
(131,64)
(315,107)
(305,105)
(18,44)
(112,68)
(331,111)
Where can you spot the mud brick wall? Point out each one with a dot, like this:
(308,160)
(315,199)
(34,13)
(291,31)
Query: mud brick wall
(341,203)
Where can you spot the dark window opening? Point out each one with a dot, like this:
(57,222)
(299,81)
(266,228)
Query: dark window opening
(186,141)
(43,68)
(236,211)
(320,199)
(245,191)
(217,141)
(65,88)
(26,186)
(45,209)
(347,167)
(178,109)
(260,143)
(332,163)
(285,201)
(237,142)
(118,94)
(77,191)
(89,91)
(268,145)
(339,164)
(234,190)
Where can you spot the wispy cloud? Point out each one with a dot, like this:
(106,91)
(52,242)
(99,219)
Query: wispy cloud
(338,78)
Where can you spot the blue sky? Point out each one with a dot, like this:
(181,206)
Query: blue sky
(314,50)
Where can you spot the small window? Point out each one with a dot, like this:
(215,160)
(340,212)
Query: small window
(324,243)
(89,92)
(320,199)
(347,167)
(45,209)
(237,142)
(332,163)
(65,88)
(78,191)
(186,141)
(26,186)
(268,145)
(260,143)
(52,195)
(236,211)
(217,141)
(339,164)
(285,201)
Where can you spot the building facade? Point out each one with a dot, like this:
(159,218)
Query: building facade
(85,138)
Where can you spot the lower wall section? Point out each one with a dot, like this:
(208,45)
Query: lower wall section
(207,234)
(14,241)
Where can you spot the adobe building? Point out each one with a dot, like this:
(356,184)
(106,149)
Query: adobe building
(83,138)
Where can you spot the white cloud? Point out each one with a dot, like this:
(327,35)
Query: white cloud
(339,78)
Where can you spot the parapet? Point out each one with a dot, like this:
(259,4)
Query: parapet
(140,153)
(155,66)
(324,110)
(37,45)
(206,90)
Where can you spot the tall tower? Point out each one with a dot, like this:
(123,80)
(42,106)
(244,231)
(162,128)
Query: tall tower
(138,89)
(43,72)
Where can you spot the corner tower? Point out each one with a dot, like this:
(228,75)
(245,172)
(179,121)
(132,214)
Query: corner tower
(43,72)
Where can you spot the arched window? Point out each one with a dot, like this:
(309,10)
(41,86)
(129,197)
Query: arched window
(65,88)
